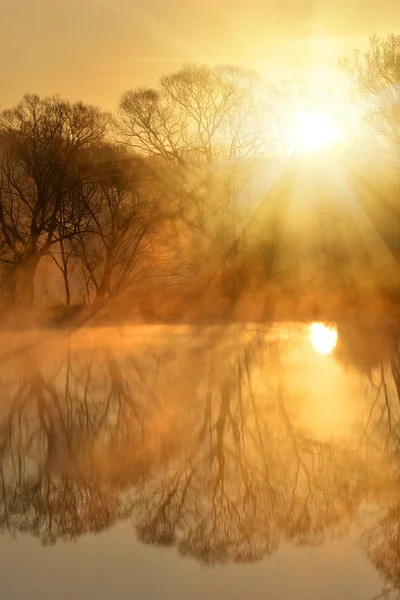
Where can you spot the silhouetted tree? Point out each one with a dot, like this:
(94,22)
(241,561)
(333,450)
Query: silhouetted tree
(118,241)
(41,144)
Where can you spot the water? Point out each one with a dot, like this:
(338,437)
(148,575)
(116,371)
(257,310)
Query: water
(201,462)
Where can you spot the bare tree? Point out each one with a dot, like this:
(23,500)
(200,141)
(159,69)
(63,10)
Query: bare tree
(117,242)
(207,125)
(375,78)
(42,142)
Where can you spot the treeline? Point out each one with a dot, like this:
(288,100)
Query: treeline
(182,189)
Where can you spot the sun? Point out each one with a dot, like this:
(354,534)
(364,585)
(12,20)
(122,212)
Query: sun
(316,130)
(323,338)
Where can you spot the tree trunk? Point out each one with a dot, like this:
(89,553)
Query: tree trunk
(28,268)
(67,289)
(9,285)
(105,286)
(64,259)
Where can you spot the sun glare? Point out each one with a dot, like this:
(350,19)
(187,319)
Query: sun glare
(316,130)
(323,338)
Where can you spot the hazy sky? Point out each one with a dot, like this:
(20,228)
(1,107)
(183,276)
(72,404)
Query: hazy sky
(95,49)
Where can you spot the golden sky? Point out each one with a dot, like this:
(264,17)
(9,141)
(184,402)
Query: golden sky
(96,49)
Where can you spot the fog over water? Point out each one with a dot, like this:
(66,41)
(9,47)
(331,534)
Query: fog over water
(220,445)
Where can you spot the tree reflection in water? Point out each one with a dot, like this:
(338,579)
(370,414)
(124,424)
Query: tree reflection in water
(199,438)
(253,476)
(374,350)
(72,441)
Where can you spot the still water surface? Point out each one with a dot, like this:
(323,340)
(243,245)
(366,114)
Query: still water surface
(256,461)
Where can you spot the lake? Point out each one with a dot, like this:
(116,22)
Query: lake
(245,460)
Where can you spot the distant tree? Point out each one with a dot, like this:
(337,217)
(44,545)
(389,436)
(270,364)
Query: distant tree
(64,253)
(42,142)
(375,78)
(65,259)
(208,126)
(117,240)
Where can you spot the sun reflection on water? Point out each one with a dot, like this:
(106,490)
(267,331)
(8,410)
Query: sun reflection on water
(323,338)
